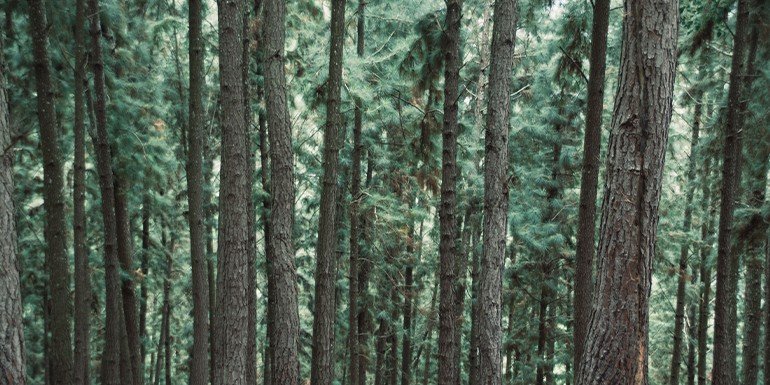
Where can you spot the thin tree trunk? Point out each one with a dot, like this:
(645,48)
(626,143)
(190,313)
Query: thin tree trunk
(473,353)
(168,250)
(283,308)
(145,266)
(448,349)
(495,193)
(199,362)
(392,340)
(380,348)
(406,347)
(708,209)
(725,318)
(616,345)
(56,259)
(767,309)
(589,180)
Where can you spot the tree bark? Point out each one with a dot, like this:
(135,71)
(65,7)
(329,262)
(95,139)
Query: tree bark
(199,362)
(725,318)
(56,259)
(708,209)
(589,180)
(496,193)
(12,355)
(283,309)
(616,345)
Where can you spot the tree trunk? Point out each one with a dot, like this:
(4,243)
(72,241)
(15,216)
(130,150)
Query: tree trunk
(380,348)
(495,193)
(589,180)
(708,209)
(684,251)
(12,354)
(166,318)
(231,321)
(725,318)
(82,357)
(616,345)
(199,362)
(406,346)
(473,353)
(56,259)
(322,368)
(767,309)
(113,373)
(283,309)
(145,266)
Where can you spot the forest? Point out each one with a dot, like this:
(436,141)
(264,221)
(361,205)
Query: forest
(386,192)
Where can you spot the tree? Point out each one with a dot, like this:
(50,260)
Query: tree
(616,345)
(322,370)
(282,302)
(448,345)
(496,193)
(57,264)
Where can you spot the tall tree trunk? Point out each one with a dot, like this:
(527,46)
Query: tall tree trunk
(82,357)
(380,348)
(322,367)
(589,180)
(448,349)
(684,252)
(283,308)
(56,259)
(168,249)
(406,343)
(145,266)
(473,352)
(231,321)
(767,309)
(199,362)
(112,371)
(392,340)
(125,253)
(356,197)
(616,345)
(12,354)
(725,318)
(708,210)
(496,193)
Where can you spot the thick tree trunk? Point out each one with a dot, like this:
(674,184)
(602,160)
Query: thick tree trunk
(199,362)
(448,349)
(56,259)
(725,318)
(12,354)
(231,321)
(283,309)
(684,252)
(82,357)
(495,193)
(322,367)
(589,180)
(616,345)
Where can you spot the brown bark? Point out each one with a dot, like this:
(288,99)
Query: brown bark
(12,356)
(725,318)
(448,347)
(56,259)
(322,367)
(199,362)
(589,179)
(81,359)
(231,317)
(283,308)
(495,193)
(616,345)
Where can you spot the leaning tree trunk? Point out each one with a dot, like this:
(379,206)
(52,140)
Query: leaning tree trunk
(616,345)
(283,307)
(495,193)
(448,347)
(199,362)
(231,320)
(725,318)
(12,354)
(56,259)
(589,180)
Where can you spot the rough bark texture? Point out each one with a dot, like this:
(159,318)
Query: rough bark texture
(283,308)
(56,259)
(684,253)
(448,348)
(495,193)
(231,317)
(80,375)
(589,179)
(199,365)
(616,345)
(322,367)
(725,318)
(12,356)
